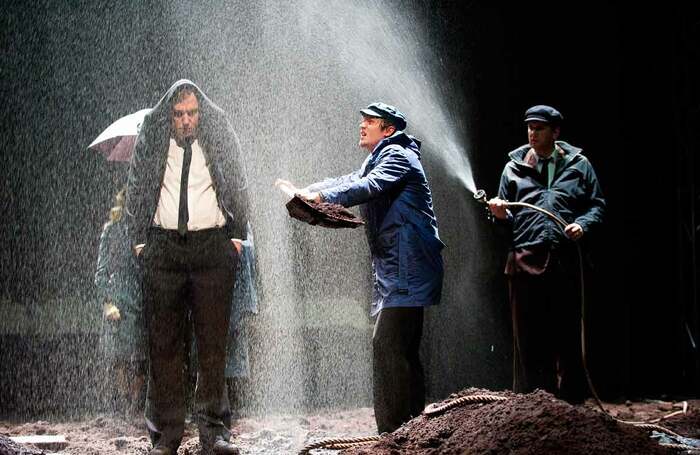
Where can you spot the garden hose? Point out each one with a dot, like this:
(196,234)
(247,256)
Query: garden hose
(480,196)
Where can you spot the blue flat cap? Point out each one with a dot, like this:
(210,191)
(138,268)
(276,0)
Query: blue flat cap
(387,112)
(542,113)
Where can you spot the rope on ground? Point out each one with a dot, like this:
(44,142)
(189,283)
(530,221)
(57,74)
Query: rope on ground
(348,445)
(650,426)
(338,443)
(690,449)
(435,409)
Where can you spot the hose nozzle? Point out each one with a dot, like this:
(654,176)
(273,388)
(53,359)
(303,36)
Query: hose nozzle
(480,196)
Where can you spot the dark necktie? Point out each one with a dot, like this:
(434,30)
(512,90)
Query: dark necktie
(544,172)
(183,214)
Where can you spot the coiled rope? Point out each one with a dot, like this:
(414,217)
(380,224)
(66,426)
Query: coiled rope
(435,409)
(338,443)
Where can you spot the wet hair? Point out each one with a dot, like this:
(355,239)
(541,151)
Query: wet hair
(183,90)
(383,123)
(117,212)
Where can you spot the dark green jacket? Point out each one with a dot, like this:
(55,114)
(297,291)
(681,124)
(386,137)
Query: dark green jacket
(574,195)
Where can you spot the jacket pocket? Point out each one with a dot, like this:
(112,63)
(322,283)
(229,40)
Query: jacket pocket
(404,248)
(389,270)
(423,261)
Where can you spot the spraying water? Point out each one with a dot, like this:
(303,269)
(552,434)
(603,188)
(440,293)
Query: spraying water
(292,77)
(380,50)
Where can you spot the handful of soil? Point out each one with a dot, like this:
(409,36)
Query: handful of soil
(322,214)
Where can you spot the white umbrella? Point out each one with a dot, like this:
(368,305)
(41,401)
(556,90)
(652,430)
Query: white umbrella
(116,143)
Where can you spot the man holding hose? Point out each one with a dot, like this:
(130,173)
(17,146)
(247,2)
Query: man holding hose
(542,266)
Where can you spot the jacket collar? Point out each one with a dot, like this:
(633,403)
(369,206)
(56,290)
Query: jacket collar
(399,138)
(526,156)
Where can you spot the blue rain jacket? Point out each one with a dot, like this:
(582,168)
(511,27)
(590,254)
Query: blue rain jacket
(400,225)
(245,303)
(118,279)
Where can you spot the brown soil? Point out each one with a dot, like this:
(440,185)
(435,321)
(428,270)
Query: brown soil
(334,211)
(536,423)
(322,214)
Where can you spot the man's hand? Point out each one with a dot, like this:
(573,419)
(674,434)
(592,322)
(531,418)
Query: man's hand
(286,187)
(290,190)
(498,208)
(238,244)
(111,312)
(138,248)
(574,231)
(313,197)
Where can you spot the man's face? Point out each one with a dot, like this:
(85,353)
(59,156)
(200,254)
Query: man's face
(371,132)
(541,136)
(185,118)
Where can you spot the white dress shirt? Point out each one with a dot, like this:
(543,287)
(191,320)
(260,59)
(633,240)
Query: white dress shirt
(202,206)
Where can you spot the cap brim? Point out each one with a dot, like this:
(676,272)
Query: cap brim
(370,113)
(537,119)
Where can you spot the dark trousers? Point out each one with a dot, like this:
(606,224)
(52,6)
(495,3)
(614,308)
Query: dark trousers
(546,312)
(191,275)
(399,385)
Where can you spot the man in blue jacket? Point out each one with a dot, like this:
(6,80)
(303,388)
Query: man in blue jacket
(542,266)
(402,232)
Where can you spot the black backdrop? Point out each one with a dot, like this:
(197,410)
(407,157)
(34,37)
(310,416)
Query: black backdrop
(626,81)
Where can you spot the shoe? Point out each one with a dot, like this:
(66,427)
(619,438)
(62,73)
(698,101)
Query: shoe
(222,447)
(161,451)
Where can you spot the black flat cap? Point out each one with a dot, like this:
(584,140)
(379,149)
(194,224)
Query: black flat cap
(386,112)
(545,114)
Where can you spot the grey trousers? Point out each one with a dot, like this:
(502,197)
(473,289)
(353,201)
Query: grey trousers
(399,383)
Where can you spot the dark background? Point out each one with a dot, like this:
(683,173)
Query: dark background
(624,78)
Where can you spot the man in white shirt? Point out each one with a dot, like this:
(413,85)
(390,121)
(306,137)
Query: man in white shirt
(187,201)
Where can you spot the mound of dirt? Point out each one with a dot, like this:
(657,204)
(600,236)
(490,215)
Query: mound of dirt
(525,424)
